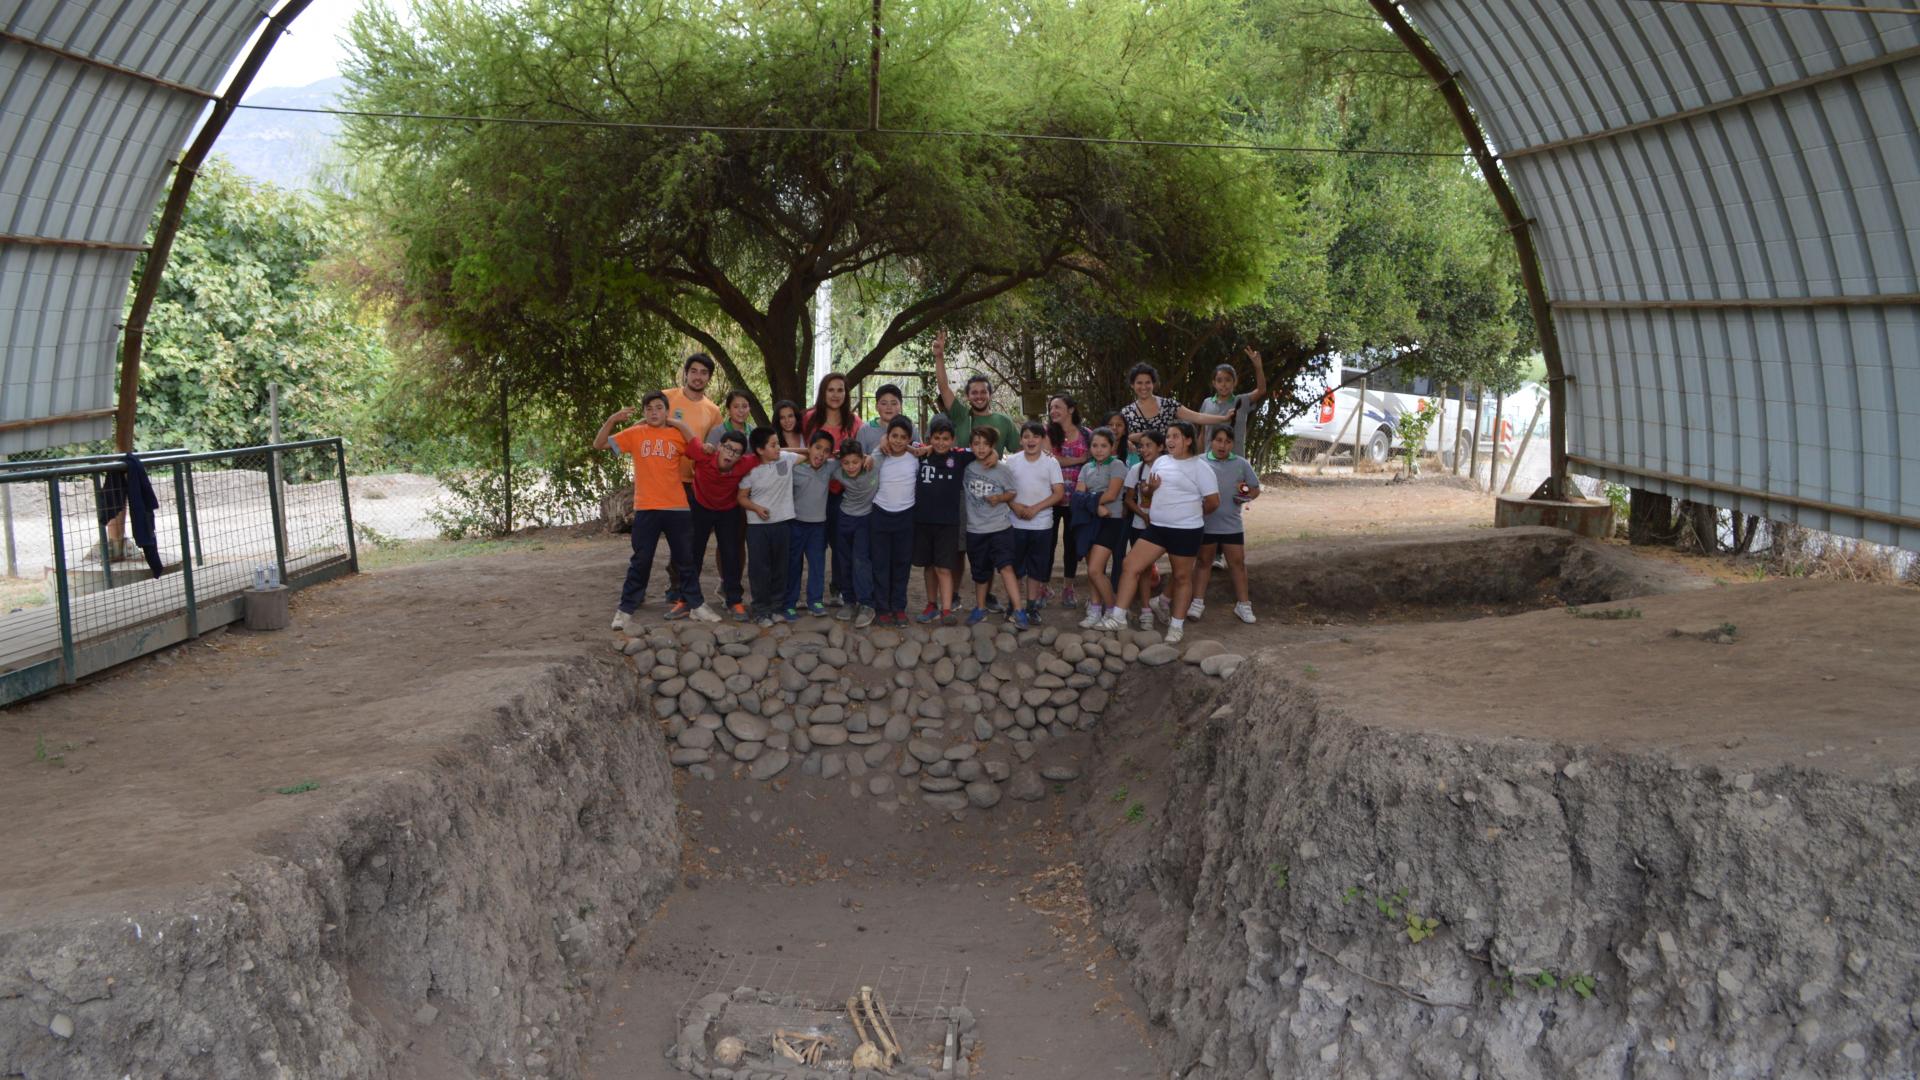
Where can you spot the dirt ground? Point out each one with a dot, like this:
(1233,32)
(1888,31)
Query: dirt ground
(158,776)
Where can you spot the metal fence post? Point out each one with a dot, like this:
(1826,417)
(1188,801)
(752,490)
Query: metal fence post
(106,548)
(186,556)
(193,507)
(346,503)
(279,524)
(60,581)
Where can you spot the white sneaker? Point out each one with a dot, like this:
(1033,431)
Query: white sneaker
(1094,617)
(1219,562)
(1113,621)
(1245,611)
(1196,609)
(705,613)
(620,620)
(1146,618)
(1162,608)
(1174,634)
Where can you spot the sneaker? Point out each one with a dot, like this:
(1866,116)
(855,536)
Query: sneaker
(994,605)
(818,611)
(740,613)
(948,618)
(1161,607)
(1068,600)
(679,610)
(863,618)
(1245,611)
(835,599)
(1033,613)
(703,613)
(1022,620)
(1220,562)
(845,614)
(929,613)
(1113,621)
(1094,615)
(976,615)
(1146,619)
(765,621)
(1046,594)
(791,614)
(620,620)
(1174,634)
(1196,609)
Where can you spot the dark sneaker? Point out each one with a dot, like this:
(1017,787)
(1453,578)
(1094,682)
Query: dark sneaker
(929,613)
(864,618)
(948,618)
(739,612)
(1020,620)
(818,611)
(679,610)
(845,614)
(976,615)
(993,604)
(791,615)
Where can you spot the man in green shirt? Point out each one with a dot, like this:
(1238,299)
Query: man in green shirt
(976,409)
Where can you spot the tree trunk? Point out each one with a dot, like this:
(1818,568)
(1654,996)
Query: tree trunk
(1649,518)
(1703,520)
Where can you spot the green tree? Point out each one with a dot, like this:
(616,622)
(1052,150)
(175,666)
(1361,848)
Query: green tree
(507,225)
(238,310)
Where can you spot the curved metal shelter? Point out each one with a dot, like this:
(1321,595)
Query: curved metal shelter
(97,97)
(1726,202)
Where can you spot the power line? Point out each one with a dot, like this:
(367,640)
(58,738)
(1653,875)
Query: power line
(1794,5)
(740,129)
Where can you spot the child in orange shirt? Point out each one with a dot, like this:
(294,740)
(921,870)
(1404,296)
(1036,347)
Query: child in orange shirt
(659,506)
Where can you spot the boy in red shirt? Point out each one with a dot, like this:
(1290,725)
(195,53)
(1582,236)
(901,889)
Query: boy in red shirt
(717,473)
(659,505)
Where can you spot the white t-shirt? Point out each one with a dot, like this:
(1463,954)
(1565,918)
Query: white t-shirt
(1132,481)
(897,478)
(1032,482)
(1183,484)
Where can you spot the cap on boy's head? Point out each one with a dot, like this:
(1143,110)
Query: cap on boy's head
(987,435)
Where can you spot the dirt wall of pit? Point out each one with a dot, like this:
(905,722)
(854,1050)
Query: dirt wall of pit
(448,921)
(1753,925)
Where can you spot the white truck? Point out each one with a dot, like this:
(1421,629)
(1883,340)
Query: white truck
(1330,423)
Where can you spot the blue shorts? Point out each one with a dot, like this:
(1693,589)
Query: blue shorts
(988,552)
(1033,553)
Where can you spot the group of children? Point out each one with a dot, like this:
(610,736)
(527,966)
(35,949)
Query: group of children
(944,508)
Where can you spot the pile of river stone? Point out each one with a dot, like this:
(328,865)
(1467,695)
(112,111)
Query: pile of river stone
(963,715)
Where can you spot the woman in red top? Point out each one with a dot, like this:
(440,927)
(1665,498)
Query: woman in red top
(832,414)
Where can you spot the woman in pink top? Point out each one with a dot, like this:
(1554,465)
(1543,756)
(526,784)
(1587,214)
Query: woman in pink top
(1068,438)
(832,414)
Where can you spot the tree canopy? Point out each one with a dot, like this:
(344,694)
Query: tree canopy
(505,225)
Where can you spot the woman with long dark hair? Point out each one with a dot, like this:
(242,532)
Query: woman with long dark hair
(787,426)
(833,414)
(1148,411)
(1176,493)
(1067,437)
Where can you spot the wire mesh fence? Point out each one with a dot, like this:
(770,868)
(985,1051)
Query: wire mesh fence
(120,573)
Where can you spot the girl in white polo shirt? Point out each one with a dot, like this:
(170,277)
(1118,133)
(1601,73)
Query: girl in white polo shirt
(1182,492)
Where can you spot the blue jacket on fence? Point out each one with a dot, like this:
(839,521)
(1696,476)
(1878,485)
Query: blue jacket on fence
(133,492)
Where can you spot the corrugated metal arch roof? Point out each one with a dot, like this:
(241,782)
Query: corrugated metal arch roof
(1726,202)
(85,152)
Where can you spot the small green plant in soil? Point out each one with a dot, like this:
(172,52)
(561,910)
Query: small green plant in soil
(1311,672)
(1136,813)
(1421,927)
(1119,794)
(1279,872)
(297,789)
(1727,629)
(1604,613)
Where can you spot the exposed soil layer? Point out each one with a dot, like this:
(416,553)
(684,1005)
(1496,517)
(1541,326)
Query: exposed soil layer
(1721,836)
(492,821)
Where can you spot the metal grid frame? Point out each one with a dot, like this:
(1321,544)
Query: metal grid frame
(918,995)
(1726,203)
(220,517)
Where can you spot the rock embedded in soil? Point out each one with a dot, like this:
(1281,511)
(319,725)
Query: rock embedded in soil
(1026,786)
(1159,654)
(769,765)
(748,727)
(1199,650)
(924,751)
(1221,664)
(984,794)
(1061,773)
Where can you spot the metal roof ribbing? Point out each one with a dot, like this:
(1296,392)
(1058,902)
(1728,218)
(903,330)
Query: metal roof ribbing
(85,152)
(1727,207)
